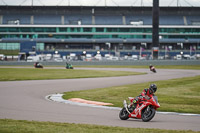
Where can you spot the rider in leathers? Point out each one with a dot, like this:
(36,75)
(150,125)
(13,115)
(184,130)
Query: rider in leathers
(146,92)
(151,67)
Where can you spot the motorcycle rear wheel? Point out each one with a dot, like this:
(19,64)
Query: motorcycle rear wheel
(148,115)
(123,114)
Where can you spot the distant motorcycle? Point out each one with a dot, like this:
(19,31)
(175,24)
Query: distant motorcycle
(152,68)
(69,66)
(144,110)
(38,65)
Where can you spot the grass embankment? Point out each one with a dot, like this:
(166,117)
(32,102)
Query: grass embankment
(21,126)
(176,95)
(11,74)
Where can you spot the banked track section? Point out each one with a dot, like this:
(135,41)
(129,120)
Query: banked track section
(25,100)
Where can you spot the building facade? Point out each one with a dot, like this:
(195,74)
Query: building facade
(116,30)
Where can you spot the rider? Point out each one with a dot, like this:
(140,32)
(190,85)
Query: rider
(36,64)
(146,92)
(67,64)
(151,67)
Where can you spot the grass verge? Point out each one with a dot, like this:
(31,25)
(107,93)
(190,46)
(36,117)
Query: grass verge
(11,74)
(175,95)
(22,126)
(194,67)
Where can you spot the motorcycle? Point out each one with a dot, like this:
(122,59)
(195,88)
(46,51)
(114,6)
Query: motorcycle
(38,65)
(144,110)
(69,66)
(152,68)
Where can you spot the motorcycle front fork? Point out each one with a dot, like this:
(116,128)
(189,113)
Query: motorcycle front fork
(147,110)
(131,107)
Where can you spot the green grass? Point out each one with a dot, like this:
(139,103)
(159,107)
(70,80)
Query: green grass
(176,95)
(22,126)
(194,67)
(11,74)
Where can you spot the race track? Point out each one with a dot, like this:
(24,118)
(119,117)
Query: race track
(25,100)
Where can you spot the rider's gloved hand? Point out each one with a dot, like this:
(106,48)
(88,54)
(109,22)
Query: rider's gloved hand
(142,97)
(135,101)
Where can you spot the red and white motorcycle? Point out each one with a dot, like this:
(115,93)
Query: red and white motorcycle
(144,110)
(38,65)
(152,68)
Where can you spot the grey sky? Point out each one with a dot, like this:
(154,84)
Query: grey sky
(102,2)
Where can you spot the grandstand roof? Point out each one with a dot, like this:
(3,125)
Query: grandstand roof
(99,15)
(103,8)
(117,3)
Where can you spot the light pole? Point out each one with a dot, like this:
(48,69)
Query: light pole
(155,35)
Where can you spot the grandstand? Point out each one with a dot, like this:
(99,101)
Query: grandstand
(116,30)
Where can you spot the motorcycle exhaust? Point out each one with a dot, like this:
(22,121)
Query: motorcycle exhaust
(125,106)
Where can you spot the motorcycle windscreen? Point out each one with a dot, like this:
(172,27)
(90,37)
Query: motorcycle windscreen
(156,98)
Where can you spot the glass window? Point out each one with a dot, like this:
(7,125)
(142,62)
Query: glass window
(50,29)
(112,29)
(124,30)
(40,46)
(38,30)
(78,29)
(13,29)
(25,29)
(72,29)
(87,29)
(114,36)
(2,29)
(99,29)
(63,29)
(9,46)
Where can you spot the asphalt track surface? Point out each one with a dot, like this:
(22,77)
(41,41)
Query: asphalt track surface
(25,100)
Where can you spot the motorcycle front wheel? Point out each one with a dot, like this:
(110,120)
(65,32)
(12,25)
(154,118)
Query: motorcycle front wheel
(148,115)
(123,114)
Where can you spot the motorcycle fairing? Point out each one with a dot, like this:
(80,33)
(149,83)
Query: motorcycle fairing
(137,113)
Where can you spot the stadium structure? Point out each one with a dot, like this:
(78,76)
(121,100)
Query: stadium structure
(112,30)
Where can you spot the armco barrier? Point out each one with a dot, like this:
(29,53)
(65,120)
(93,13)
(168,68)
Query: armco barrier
(121,63)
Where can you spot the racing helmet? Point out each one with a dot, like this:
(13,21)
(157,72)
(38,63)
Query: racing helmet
(152,88)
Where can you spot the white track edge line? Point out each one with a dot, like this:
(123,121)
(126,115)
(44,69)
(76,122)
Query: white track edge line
(58,98)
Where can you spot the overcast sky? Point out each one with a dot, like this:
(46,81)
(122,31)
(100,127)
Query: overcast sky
(101,2)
